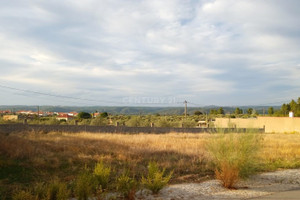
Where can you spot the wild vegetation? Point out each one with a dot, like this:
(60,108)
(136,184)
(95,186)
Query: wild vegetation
(235,156)
(165,120)
(32,163)
(122,120)
(286,108)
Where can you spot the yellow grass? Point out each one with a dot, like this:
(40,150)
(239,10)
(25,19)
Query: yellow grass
(281,151)
(183,152)
(134,147)
(63,154)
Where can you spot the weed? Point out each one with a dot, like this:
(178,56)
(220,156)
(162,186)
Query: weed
(156,179)
(28,157)
(23,195)
(85,185)
(228,175)
(57,191)
(234,156)
(126,185)
(102,174)
(40,190)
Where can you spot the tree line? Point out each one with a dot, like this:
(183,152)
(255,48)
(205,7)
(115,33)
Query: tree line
(284,110)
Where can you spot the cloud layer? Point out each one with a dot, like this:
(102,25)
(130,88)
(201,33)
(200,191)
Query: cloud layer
(208,52)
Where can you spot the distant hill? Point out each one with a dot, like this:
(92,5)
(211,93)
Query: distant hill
(134,110)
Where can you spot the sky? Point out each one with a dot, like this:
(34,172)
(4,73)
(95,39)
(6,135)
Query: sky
(149,52)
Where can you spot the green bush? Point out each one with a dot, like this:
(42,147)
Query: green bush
(189,124)
(134,121)
(84,115)
(23,195)
(164,123)
(85,122)
(57,191)
(99,121)
(102,174)
(40,190)
(126,185)
(85,186)
(52,121)
(1,120)
(156,179)
(235,152)
(104,115)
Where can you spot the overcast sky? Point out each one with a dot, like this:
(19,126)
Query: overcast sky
(122,52)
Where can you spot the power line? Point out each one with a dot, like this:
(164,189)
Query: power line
(54,95)
(78,98)
(185,108)
(44,98)
(110,102)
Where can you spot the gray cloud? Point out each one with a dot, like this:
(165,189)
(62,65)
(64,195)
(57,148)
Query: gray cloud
(210,51)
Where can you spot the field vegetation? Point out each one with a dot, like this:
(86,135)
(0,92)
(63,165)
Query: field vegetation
(86,164)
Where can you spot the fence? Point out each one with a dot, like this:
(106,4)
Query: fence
(11,128)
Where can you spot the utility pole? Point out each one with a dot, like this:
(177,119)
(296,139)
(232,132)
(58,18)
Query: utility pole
(206,119)
(38,108)
(185,108)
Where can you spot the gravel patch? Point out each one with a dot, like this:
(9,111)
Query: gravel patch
(258,185)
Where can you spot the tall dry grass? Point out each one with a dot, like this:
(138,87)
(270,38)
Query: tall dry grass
(186,151)
(64,155)
(281,151)
(235,156)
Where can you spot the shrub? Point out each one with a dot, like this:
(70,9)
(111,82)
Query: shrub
(23,195)
(197,112)
(84,115)
(99,121)
(102,174)
(57,191)
(189,124)
(156,179)
(134,121)
(85,122)
(104,115)
(40,190)
(126,185)
(85,185)
(52,121)
(228,175)
(234,156)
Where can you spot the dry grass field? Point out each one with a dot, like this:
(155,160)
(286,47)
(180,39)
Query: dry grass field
(27,158)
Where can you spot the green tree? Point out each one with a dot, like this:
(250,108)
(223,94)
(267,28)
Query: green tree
(221,111)
(270,110)
(285,108)
(104,114)
(250,111)
(293,105)
(198,112)
(84,115)
(238,111)
(213,112)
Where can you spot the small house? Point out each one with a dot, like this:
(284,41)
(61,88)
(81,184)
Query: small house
(64,117)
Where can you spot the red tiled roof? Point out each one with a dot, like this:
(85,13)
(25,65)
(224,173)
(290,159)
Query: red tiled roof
(64,115)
